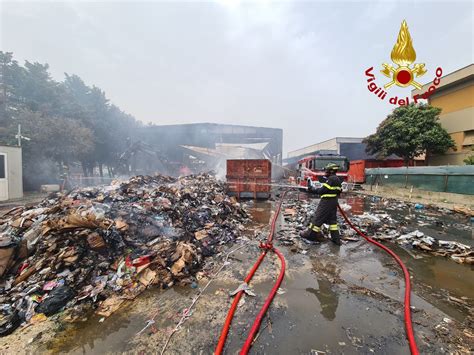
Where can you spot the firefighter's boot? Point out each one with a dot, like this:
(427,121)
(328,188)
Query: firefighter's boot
(313,233)
(336,237)
(308,234)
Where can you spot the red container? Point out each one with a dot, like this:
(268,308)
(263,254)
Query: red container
(357,168)
(249,178)
(356,171)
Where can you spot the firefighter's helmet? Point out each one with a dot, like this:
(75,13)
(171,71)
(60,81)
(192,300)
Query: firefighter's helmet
(331,167)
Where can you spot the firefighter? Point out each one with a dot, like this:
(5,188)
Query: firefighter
(327,208)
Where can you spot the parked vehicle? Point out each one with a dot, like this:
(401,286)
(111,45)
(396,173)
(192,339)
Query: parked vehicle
(312,168)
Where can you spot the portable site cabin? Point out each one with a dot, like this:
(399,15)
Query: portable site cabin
(11,177)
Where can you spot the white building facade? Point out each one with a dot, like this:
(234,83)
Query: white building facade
(11,173)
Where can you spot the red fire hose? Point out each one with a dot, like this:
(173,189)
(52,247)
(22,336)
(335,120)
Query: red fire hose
(256,325)
(269,246)
(408,324)
(263,310)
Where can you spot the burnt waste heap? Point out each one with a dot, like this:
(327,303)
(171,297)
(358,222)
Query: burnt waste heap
(92,249)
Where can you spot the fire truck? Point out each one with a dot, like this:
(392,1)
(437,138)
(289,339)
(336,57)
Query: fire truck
(312,168)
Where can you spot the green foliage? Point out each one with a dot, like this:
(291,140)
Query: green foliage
(67,122)
(410,131)
(470,159)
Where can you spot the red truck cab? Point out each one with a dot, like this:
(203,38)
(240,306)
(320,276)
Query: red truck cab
(312,168)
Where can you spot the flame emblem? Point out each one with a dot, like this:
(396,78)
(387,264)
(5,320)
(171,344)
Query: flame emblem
(403,55)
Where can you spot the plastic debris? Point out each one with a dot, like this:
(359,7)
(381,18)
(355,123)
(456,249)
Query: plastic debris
(98,247)
(243,287)
(56,300)
(9,321)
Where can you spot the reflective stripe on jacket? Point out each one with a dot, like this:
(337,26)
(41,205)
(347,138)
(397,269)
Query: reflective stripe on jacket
(331,188)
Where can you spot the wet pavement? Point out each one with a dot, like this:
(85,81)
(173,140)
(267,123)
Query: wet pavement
(438,276)
(332,300)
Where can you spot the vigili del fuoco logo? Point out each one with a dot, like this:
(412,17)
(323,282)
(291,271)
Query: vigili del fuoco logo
(404,72)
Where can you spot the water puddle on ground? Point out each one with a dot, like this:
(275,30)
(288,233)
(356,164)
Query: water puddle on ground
(315,311)
(322,316)
(116,332)
(442,275)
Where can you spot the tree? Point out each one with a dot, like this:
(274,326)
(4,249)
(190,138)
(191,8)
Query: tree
(12,77)
(67,122)
(410,131)
(61,139)
(470,159)
(55,142)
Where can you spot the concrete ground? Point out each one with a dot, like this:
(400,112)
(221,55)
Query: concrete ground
(29,198)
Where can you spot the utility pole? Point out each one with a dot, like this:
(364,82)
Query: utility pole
(19,136)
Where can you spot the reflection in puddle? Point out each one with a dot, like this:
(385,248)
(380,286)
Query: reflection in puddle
(328,299)
(357,203)
(260,212)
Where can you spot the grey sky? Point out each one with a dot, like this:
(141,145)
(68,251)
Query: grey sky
(293,65)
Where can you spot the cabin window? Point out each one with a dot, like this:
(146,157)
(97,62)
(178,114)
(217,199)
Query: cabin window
(2,166)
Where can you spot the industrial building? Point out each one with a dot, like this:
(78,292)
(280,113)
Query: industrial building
(11,177)
(350,147)
(455,96)
(206,146)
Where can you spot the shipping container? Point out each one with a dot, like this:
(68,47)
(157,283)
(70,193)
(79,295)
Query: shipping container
(249,178)
(357,167)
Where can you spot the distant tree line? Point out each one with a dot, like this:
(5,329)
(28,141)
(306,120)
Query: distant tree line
(68,122)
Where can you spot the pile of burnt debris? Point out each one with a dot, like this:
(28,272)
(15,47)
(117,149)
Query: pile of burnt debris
(383,226)
(91,249)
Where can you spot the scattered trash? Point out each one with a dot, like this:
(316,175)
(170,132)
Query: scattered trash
(243,287)
(458,252)
(380,226)
(457,300)
(9,322)
(281,291)
(464,210)
(345,207)
(55,300)
(100,246)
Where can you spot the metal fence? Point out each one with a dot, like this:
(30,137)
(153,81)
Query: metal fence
(455,179)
